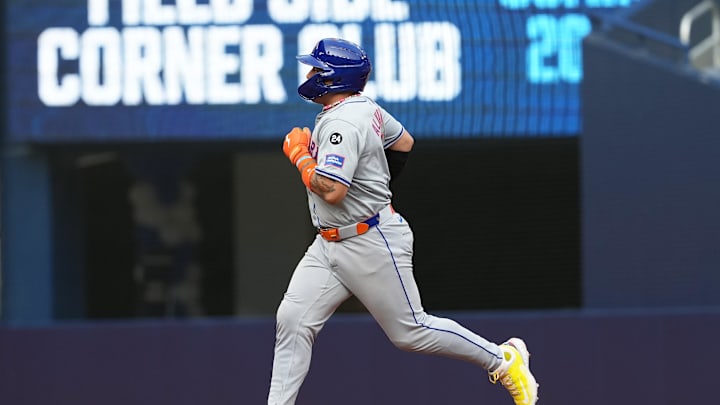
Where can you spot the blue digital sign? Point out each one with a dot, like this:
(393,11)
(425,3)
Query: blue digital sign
(159,70)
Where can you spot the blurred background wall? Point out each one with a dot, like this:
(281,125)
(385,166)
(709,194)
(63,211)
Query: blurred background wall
(563,187)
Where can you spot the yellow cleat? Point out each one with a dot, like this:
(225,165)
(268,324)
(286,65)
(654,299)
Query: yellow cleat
(514,373)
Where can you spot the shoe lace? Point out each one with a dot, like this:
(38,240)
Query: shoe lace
(507,382)
(494,377)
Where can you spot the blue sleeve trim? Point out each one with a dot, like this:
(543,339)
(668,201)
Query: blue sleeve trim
(397,138)
(332,176)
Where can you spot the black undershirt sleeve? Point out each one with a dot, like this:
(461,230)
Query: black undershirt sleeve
(396,162)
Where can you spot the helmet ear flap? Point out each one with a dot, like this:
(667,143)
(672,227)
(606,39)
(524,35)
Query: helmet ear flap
(346,68)
(313,88)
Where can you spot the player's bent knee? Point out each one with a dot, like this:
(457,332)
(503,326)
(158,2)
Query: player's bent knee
(406,343)
(287,314)
(290,318)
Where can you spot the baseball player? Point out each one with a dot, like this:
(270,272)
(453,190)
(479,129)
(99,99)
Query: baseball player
(363,246)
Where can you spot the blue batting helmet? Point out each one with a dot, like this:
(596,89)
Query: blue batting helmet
(345,68)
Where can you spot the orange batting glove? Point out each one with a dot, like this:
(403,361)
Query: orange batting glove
(295,147)
(296,143)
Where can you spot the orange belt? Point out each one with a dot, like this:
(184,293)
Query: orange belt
(348,231)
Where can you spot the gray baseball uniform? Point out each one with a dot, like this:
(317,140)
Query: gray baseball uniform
(376,266)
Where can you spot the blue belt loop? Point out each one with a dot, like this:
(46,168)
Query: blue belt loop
(372,221)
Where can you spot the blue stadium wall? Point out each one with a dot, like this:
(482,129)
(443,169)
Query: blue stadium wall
(650,181)
(592,358)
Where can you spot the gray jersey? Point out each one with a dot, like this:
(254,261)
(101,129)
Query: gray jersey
(349,142)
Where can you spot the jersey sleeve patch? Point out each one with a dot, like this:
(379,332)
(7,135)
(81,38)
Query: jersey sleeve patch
(336,138)
(333,159)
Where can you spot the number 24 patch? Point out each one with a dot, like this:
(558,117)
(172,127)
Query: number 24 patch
(334,160)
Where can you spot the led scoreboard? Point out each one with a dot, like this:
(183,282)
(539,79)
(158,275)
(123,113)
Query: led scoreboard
(165,70)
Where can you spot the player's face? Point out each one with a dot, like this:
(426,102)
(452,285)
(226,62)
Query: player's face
(312,72)
(324,99)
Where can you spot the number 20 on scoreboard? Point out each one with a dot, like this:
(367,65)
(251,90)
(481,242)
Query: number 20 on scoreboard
(555,50)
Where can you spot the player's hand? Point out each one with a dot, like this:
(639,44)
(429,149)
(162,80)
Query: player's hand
(295,147)
(296,143)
